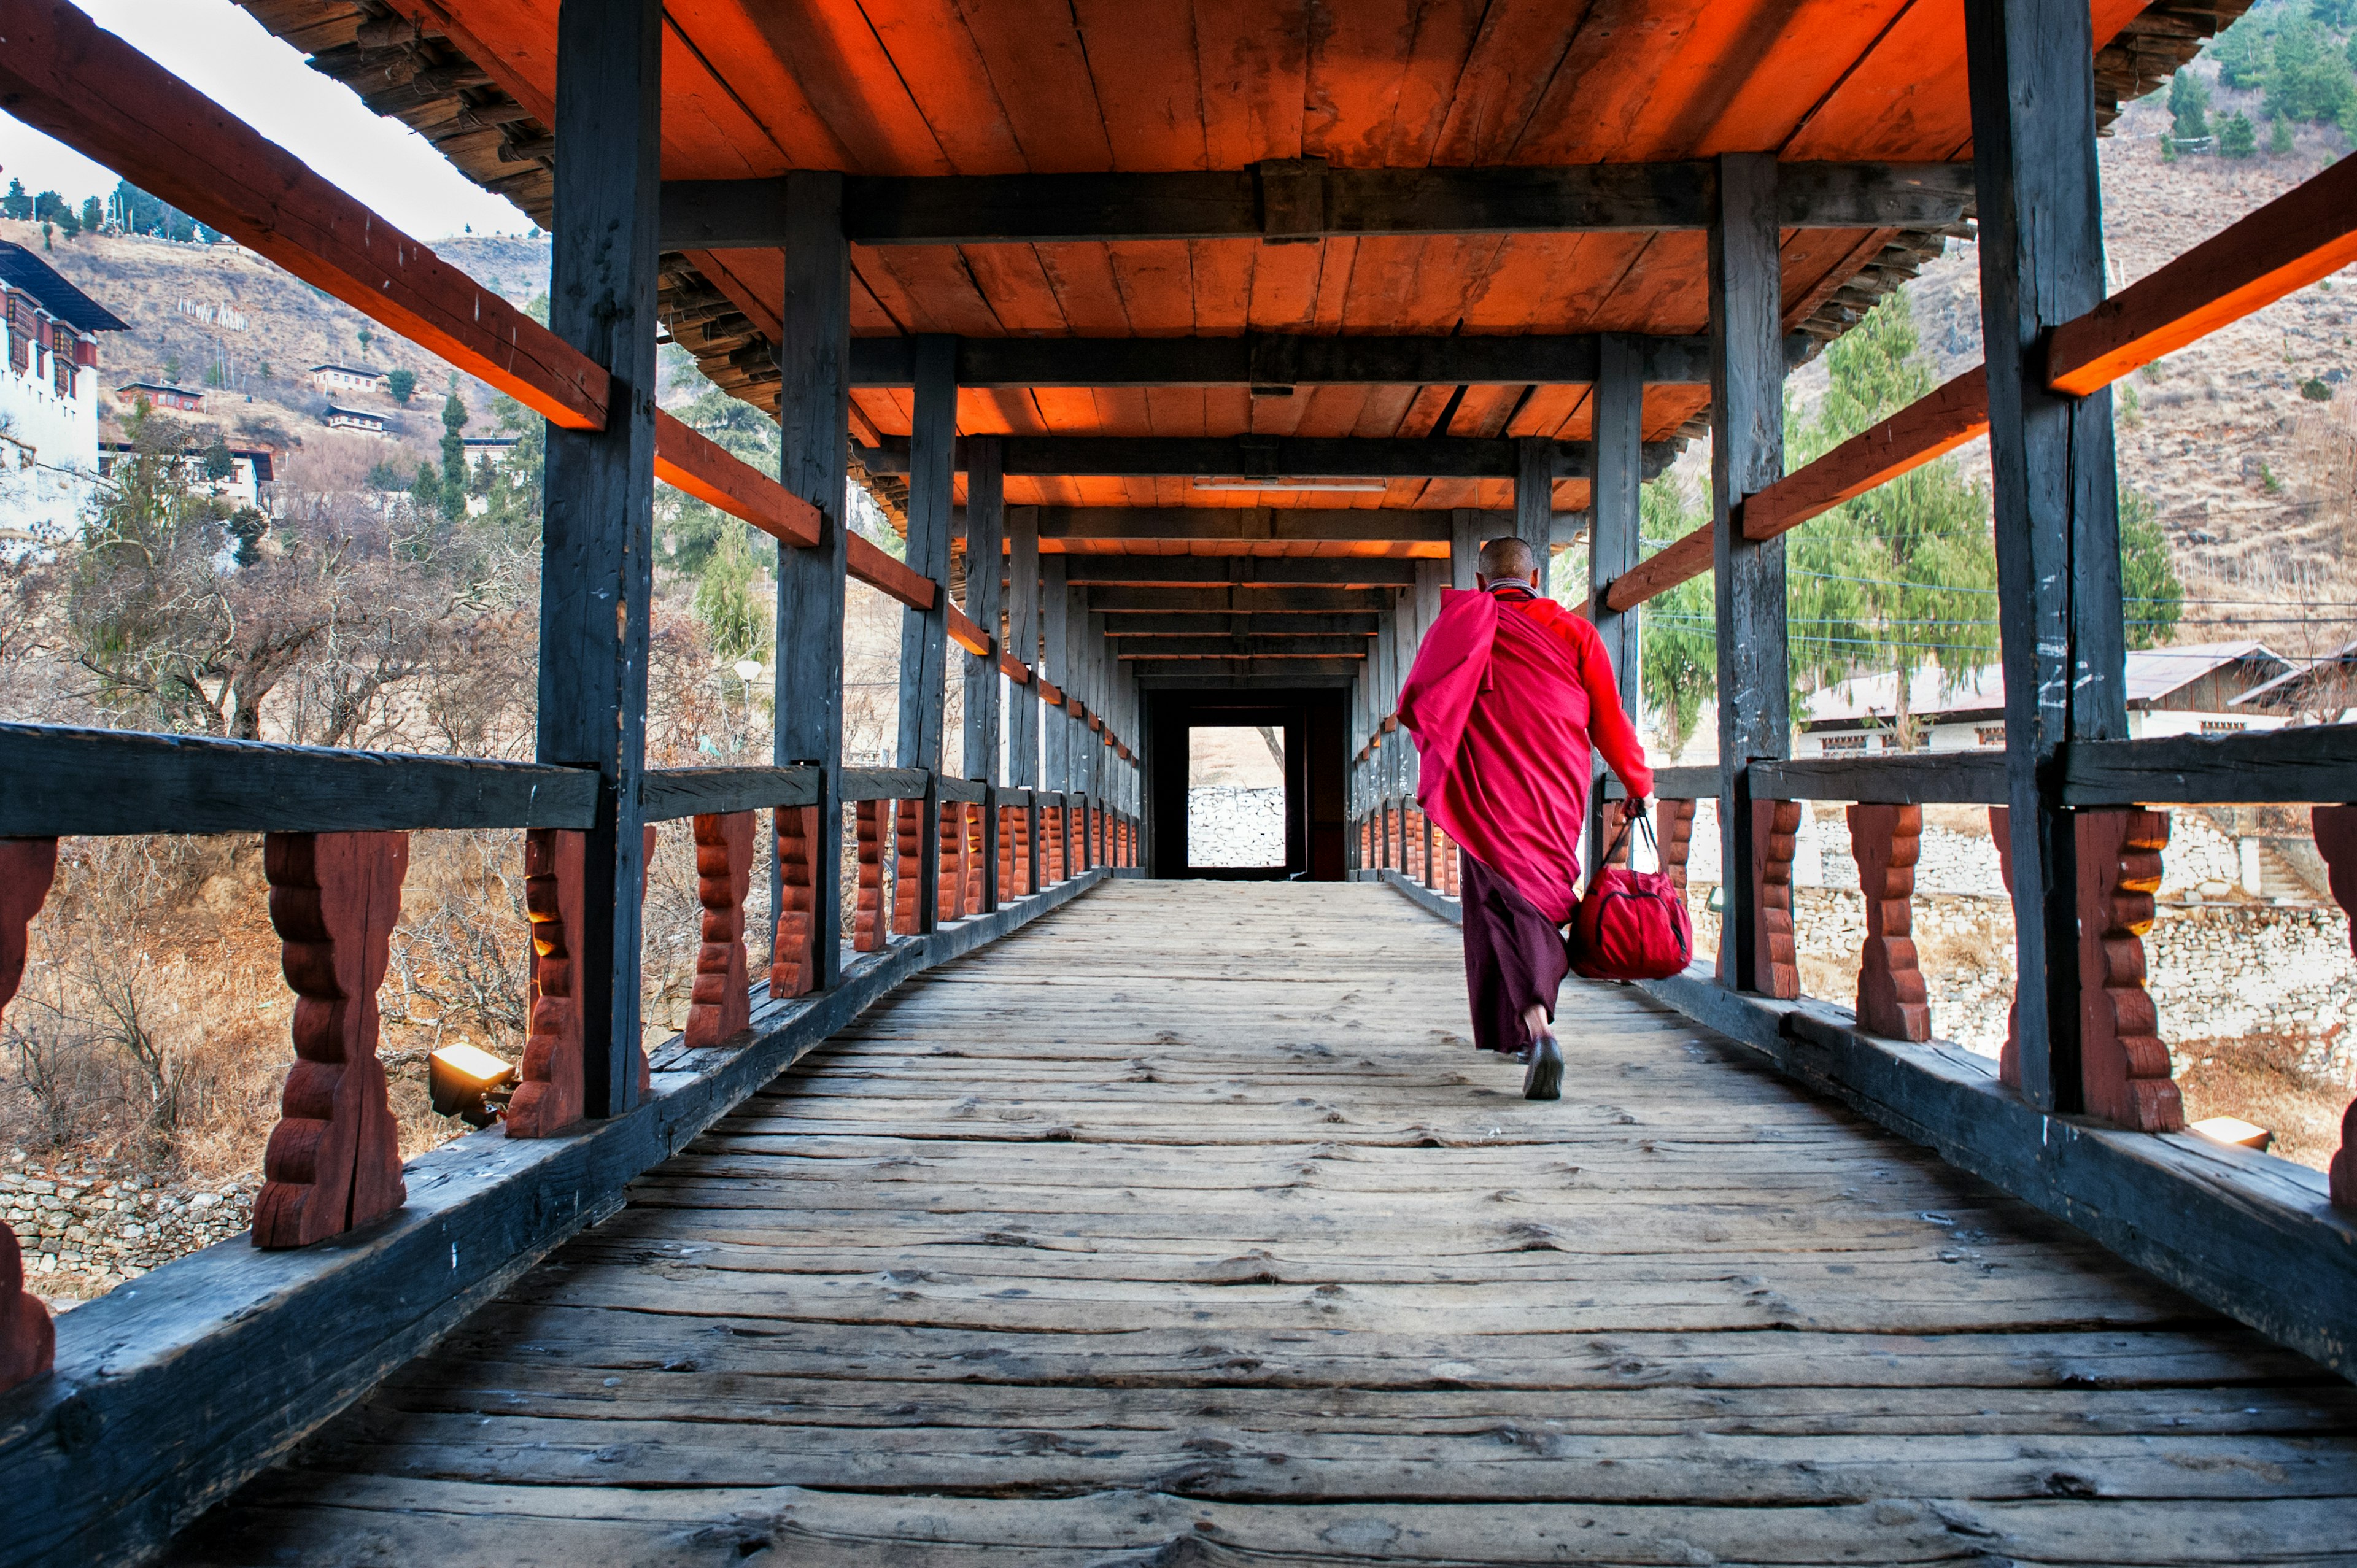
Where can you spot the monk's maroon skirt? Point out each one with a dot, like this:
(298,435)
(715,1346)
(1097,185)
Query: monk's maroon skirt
(1513,956)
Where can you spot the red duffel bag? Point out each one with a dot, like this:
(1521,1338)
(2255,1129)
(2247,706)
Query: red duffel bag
(1632,925)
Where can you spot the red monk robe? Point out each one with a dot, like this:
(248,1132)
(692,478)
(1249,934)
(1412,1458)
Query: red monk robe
(1506,692)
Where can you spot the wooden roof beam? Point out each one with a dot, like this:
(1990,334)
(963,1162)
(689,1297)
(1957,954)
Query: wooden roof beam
(1306,525)
(1146,599)
(1277,359)
(1305,200)
(1243,647)
(1264,458)
(1246,572)
(1245,624)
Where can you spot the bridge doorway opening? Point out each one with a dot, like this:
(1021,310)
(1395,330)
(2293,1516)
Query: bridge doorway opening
(1235,797)
(1244,786)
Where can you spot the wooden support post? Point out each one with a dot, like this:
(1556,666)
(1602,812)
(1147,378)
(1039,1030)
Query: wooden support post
(2125,1066)
(870,928)
(1747,375)
(1774,833)
(333,1163)
(1534,502)
(1023,718)
(2336,840)
(597,540)
(29,1340)
(1619,399)
(548,1091)
(1464,547)
(813,402)
(718,1006)
(1674,839)
(800,896)
(1056,662)
(1891,1001)
(2057,530)
(907,867)
(924,634)
(985,528)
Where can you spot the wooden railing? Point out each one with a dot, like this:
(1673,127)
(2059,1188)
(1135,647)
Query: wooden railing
(2269,1241)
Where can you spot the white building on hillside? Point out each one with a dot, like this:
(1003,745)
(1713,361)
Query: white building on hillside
(2170,691)
(48,401)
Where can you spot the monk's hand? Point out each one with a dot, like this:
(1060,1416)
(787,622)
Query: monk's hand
(1632,809)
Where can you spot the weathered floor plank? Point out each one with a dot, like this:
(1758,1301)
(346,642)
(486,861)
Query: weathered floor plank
(1185,1227)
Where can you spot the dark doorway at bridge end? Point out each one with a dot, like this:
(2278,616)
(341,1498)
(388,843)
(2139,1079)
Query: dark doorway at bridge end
(1311,722)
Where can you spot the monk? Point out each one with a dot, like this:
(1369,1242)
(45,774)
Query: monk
(1506,692)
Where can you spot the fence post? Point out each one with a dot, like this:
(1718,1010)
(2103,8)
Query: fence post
(924,634)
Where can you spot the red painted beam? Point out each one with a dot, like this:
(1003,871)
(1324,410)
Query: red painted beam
(967,635)
(2308,233)
(1931,426)
(896,579)
(688,460)
(61,73)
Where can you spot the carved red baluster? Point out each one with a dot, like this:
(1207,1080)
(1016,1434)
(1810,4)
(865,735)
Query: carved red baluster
(333,1163)
(717,1006)
(794,948)
(976,855)
(2123,1064)
(29,1340)
(2336,840)
(548,1097)
(1775,829)
(1891,1001)
(908,866)
(949,896)
(1674,839)
(1019,835)
(2008,1060)
(1006,885)
(867,921)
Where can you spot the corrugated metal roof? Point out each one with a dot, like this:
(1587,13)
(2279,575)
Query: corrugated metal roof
(2152,673)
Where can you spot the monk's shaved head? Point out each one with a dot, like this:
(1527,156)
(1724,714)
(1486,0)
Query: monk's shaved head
(1507,557)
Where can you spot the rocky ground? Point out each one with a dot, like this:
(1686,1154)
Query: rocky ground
(1228,825)
(84,1233)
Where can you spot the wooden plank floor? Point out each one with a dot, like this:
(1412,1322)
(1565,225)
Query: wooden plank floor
(1184,1227)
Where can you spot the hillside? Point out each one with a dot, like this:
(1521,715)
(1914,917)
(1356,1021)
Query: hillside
(286,327)
(2252,482)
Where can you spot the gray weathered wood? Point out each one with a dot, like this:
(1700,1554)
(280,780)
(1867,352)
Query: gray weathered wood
(1613,545)
(813,400)
(957,210)
(1023,642)
(1746,456)
(1242,623)
(596,539)
(2041,256)
(57,781)
(666,794)
(1235,647)
(985,508)
(2310,763)
(1467,535)
(1924,778)
(924,634)
(1534,499)
(1204,571)
(884,783)
(242,1352)
(1146,599)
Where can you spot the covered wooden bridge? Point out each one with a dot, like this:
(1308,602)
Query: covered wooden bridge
(1038,1203)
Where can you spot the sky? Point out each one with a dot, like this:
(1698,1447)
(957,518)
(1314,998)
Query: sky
(225,54)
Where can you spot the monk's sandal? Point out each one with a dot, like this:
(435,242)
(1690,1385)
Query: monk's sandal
(1545,1079)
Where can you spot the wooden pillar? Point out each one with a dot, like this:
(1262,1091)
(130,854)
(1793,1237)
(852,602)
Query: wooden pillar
(1022,712)
(813,402)
(924,634)
(29,1339)
(718,1006)
(1747,375)
(597,538)
(1534,501)
(1617,449)
(2336,840)
(333,1163)
(1056,659)
(1891,1001)
(984,529)
(1464,546)
(2041,255)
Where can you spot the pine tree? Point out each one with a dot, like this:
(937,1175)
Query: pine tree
(453,457)
(2188,102)
(2236,138)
